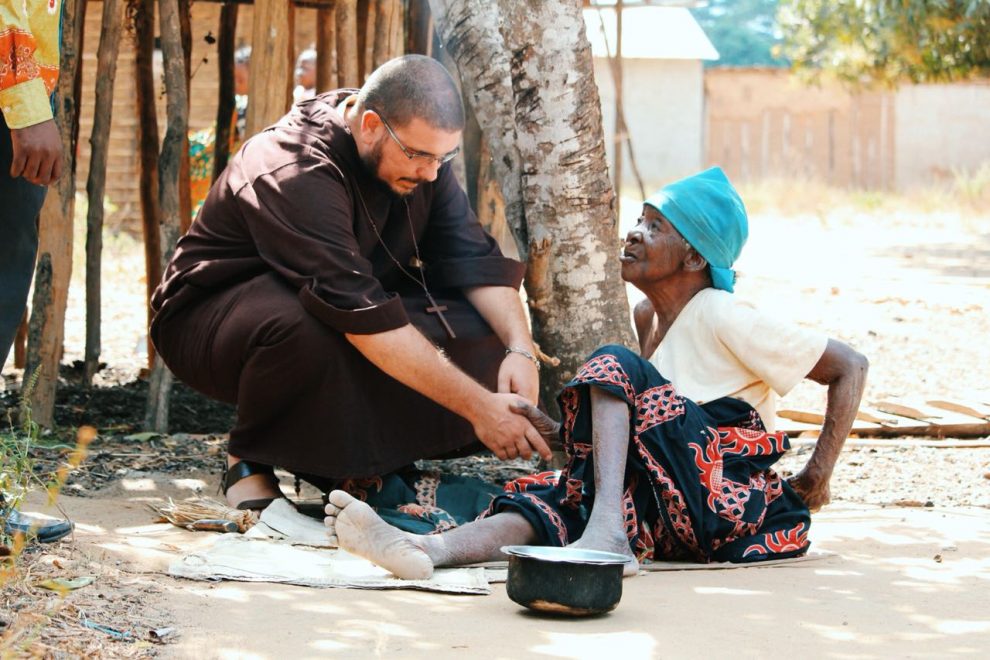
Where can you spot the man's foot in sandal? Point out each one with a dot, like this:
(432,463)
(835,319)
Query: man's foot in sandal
(249,485)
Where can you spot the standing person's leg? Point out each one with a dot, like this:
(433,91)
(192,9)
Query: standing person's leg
(19,227)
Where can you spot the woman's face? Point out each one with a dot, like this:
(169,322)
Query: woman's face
(653,250)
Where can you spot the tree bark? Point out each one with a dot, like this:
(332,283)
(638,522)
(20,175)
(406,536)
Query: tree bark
(106,65)
(144,45)
(469,30)
(51,289)
(177,109)
(326,48)
(225,98)
(528,69)
(271,62)
(348,74)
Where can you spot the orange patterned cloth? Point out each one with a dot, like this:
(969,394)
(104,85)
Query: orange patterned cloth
(29,59)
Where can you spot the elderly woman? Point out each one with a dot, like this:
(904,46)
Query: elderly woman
(669,453)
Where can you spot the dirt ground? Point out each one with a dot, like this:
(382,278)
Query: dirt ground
(910,523)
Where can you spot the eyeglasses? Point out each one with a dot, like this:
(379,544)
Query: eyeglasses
(412,154)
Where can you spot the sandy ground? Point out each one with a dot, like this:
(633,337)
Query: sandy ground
(905,582)
(910,292)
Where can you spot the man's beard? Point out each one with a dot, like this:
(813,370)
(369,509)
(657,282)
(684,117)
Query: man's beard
(372,162)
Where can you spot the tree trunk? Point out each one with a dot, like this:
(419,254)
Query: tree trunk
(348,74)
(144,45)
(527,68)
(106,64)
(225,99)
(177,109)
(326,48)
(271,62)
(185,181)
(51,288)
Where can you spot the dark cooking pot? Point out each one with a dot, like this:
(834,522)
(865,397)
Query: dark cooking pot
(564,580)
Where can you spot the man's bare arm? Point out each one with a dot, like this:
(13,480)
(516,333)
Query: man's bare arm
(501,307)
(410,358)
(843,370)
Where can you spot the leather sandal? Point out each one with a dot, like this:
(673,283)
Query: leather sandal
(33,527)
(242,469)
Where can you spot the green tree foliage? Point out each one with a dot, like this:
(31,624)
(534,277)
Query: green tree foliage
(887,41)
(744,32)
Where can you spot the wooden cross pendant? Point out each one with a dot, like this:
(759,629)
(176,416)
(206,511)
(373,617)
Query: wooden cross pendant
(434,308)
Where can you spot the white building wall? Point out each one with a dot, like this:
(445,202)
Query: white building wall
(664,108)
(939,129)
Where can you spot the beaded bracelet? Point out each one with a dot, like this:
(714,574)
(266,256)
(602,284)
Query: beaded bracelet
(526,354)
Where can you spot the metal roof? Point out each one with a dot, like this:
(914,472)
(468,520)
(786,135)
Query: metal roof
(665,33)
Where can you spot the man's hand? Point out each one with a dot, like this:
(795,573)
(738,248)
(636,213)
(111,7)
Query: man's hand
(37,153)
(811,485)
(506,432)
(518,375)
(546,425)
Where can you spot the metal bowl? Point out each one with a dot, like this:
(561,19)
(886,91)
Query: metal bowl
(569,581)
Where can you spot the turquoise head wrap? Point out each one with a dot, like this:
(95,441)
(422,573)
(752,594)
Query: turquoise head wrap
(708,212)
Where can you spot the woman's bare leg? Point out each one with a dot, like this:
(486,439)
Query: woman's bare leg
(606,529)
(355,527)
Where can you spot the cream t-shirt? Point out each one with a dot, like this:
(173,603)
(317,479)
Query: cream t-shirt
(722,346)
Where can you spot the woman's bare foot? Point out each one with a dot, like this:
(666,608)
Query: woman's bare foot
(355,527)
(617,544)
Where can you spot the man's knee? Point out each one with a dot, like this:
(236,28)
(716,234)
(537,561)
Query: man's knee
(298,340)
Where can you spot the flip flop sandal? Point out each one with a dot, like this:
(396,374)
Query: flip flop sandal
(242,469)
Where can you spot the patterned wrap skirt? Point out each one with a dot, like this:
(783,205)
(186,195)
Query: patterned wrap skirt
(698,483)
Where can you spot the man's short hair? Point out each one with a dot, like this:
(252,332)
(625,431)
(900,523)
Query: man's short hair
(414,86)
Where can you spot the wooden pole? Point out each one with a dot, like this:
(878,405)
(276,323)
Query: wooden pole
(106,64)
(270,67)
(621,136)
(185,180)
(177,109)
(367,30)
(225,101)
(144,45)
(326,48)
(389,32)
(347,44)
(290,58)
(51,286)
(419,27)
(20,342)
(619,128)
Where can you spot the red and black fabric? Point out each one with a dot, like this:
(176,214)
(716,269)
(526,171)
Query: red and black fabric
(699,482)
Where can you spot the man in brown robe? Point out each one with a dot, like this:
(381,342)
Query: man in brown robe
(338,288)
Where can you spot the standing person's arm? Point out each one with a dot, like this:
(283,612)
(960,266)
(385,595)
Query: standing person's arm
(501,307)
(30,44)
(843,370)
